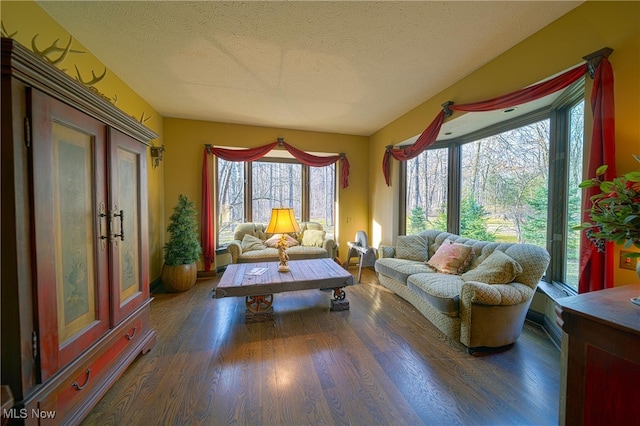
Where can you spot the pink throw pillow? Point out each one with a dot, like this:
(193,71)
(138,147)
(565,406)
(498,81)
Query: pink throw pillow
(451,258)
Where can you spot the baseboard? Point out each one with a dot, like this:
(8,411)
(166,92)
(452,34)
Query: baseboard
(155,285)
(552,331)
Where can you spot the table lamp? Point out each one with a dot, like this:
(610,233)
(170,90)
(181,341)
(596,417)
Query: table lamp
(282,222)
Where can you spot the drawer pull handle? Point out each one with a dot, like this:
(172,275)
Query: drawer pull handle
(133,333)
(86,382)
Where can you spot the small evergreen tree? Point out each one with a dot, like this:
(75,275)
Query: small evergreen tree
(417,221)
(534,229)
(473,221)
(184,245)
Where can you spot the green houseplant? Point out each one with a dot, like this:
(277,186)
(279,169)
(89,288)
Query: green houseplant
(183,250)
(615,210)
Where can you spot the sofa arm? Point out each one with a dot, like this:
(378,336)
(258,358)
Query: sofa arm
(235,249)
(330,246)
(386,251)
(495,294)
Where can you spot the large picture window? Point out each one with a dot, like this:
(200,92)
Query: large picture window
(516,181)
(247,191)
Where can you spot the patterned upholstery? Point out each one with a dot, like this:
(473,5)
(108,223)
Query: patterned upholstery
(400,269)
(476,313)
(269,254)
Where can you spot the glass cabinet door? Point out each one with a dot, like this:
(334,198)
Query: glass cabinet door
(70,228)
(128,203)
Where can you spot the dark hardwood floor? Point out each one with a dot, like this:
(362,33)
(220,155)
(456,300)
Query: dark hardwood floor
(380,363)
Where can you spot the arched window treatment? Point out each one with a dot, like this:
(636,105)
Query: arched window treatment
(252,154)
(596,268)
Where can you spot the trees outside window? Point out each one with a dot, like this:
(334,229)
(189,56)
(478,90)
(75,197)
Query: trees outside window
(427,191)
(248,191)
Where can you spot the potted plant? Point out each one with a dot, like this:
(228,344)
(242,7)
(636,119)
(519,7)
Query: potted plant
(615,212)
(183,250)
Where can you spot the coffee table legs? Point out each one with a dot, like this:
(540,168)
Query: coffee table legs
(260,307)
(339,302)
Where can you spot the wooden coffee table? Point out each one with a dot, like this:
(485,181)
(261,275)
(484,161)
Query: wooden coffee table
(258,282)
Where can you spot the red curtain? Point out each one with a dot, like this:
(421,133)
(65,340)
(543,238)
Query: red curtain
(317,161)
(527,94)
(206,231)
(596,267)
(251,154)
(425,140)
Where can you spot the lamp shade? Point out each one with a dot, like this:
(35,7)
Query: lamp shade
(282,221)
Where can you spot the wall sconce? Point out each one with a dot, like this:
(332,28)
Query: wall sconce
(157,152)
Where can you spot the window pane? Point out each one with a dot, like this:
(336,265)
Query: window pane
(230,198)
(504,186)
(576,145)
(322,183)
(426,201)
(275,185)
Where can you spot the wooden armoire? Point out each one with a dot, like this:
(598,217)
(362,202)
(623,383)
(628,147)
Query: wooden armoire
(75,280)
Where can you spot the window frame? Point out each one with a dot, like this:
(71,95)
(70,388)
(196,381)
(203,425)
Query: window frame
(557,215)
(305,198)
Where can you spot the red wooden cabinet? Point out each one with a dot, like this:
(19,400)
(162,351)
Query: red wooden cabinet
(601,357)
(75,286)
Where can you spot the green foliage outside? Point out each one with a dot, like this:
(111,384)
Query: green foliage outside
(417,221)
(537,220)
(473,221)
(184,245)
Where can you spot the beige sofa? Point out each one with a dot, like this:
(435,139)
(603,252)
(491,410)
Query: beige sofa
(251,244)
(481,305)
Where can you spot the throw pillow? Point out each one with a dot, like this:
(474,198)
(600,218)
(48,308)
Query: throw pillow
(249,243)
(497,268)
(313,237)
(412,247)
(451,258)
(273,241)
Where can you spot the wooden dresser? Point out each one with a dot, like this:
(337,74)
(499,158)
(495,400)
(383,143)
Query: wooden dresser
(75,285)
(601,358)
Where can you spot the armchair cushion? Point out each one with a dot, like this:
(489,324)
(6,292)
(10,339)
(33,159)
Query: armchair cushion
(412,247)
(249,243)
(497,268)
(313,238)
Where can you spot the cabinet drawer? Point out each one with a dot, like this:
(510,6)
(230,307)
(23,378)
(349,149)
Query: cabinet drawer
(80,387)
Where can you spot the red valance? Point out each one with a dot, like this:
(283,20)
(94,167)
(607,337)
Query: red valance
(528,94)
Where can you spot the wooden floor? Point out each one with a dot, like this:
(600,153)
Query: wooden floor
(380,363)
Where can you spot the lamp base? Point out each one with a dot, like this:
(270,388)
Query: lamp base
(283,268)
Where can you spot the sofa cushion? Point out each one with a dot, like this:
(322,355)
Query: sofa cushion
(400,269)
(451,258)
(497,268)
(250,243)
(273,241)
(412,247)
(442,291)
(313,237)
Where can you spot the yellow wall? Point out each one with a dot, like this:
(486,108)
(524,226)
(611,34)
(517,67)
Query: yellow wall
(185,140)
(555,48)
(25,20)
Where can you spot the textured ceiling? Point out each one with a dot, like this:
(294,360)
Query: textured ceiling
(344,67)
